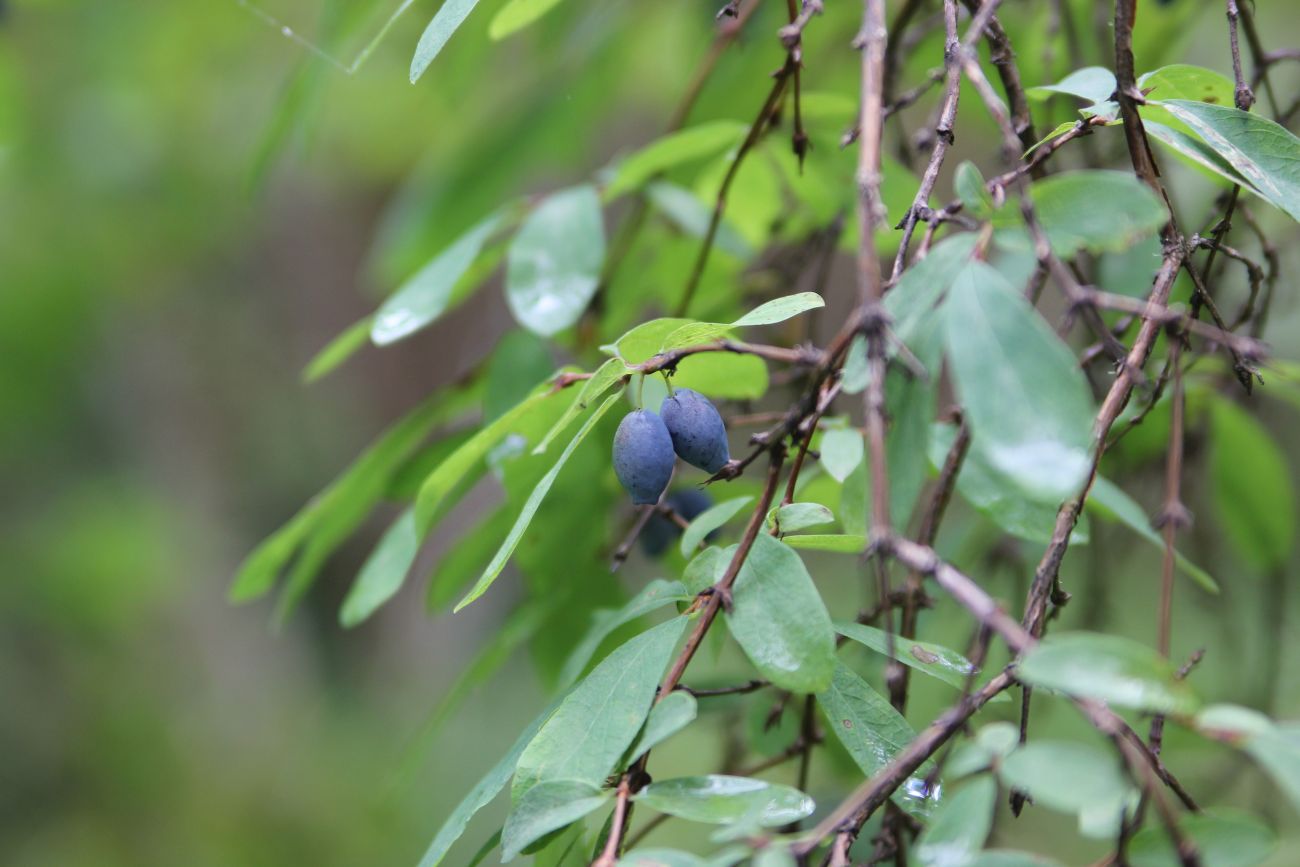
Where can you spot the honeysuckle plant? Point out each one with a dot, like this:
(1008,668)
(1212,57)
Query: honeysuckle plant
(928,372)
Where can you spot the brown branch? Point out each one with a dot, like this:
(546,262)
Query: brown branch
(756,130)
(722,590)
(942,131)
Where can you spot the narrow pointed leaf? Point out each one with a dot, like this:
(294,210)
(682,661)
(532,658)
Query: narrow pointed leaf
(333,514)
(478,797)
(422,299)
(516,15)
(1110,501)
(652,597)
(338,350)
(547,807)
(1253,498)
(601,717)
(450,15)
(436,490)
(384,571)
(530,508)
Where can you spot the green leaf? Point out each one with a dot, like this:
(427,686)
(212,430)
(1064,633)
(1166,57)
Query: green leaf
(642,342)
(781,309)
(546,807)
(384,571)
(563,848)
(774,311)
(450,15)
(1223,838)
(1092,210)
(1253,500)
(516,15)
(1184,81)
(834,542)
(841,452)
(1263,152)
(478,797)
(1111,668)
(601,717)
(997,498)
(798,516)
(1066,776)
(872,732)
(605,376)
(1092,83)
(530,508)
(1028,404)
(706,568)
(464,560)
(722,800)
(435,494)
(932,659)
(522,624)
(653,596)
(709,520)
(1057,131)
(667,718)
(959,826)
(331,516)
(910,304)
(693,143)
(990,745)
(1108,500)
(723,375)
(338,350)
(779,619)
(1275,747)
(1195,150)
(773,855)
(970,188)
(554,261)
(423,298)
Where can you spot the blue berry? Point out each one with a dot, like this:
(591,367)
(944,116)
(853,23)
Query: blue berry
(698,434)
(643,456)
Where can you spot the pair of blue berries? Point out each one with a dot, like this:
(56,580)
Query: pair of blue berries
(647,445)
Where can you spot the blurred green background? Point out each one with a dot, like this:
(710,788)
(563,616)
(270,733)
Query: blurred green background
(191,206)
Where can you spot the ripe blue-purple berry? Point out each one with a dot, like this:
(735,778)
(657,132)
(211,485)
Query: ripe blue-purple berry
(659,532)
(643,456)
(698,434)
